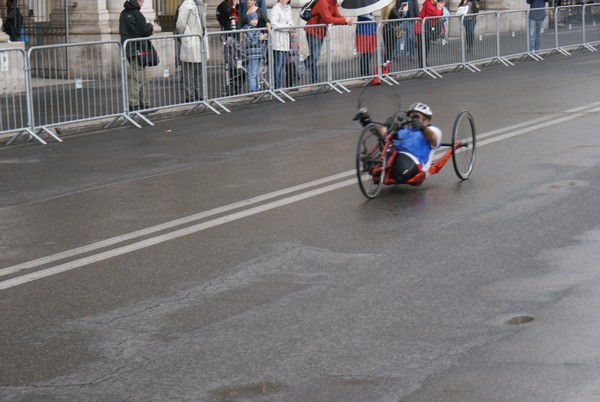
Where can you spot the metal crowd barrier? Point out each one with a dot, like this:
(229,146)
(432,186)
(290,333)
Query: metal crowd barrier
(15,104)
(513,35)
(319,65)
(164,84)
(293,69)
(398,49)
(75,82)
(227,71)
(63,84)
(570,33)
(591,25)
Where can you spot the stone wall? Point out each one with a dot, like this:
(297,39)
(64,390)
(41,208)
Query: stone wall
(12,64)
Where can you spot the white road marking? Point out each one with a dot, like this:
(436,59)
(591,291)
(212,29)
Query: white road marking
(166,225)
(9,283)
(511,131)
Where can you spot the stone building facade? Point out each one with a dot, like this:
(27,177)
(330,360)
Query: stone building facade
(98,20)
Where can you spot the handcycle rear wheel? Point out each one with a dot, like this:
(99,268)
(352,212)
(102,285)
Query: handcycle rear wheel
(370,161)
(463,156)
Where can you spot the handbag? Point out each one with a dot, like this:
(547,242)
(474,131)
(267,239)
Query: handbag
(145,54)
(23,37)
(462,10)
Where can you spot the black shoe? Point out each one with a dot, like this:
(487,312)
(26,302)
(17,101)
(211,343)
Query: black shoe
(133,108)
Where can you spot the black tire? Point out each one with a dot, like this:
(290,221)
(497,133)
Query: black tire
(369,158)
(463,157)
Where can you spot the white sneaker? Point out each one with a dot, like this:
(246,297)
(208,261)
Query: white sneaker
(444,42)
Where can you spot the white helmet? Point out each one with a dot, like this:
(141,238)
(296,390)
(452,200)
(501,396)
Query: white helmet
(421,108)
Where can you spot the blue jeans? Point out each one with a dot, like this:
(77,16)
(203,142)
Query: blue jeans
(314,45)
(409,38)
(253,74)
(535,34)
(280,59)
(469,24)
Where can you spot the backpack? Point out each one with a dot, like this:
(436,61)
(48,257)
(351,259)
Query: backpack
(305,11)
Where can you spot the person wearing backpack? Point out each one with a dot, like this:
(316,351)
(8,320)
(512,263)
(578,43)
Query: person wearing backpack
(323,12)
(14,21)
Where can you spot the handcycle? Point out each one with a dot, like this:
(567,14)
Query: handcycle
(375,152)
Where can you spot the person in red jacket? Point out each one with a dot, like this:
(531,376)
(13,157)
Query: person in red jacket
(431,8)
(324,12)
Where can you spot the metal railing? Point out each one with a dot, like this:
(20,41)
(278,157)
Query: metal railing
(50,86)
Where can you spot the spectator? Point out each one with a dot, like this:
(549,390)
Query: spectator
(469,21)
(132,24)
(446,14)
(263,18)
(424,34)
(390,13)
(261,4)
(537,15)
(323,12)
(366,42)
(14,21)
(191,20)
(408,27)
(281,21)
(228,14)
(254,52)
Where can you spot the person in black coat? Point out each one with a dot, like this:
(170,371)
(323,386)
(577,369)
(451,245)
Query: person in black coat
(132,24)
(13,22)
(228,13)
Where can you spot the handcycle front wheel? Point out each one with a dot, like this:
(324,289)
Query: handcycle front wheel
(370,161)
(463,154)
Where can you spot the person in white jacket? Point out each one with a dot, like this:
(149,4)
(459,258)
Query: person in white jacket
(191,20)
(281,21)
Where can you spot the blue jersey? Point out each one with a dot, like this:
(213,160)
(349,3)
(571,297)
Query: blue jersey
(411,140)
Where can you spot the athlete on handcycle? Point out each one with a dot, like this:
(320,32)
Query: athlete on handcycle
(401,150)
(416,142)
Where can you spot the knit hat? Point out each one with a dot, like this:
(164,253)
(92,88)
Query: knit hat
(252,16)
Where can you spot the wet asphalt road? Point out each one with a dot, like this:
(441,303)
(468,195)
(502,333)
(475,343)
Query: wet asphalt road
(232,257)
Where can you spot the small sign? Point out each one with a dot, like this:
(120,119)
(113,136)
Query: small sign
(78,83)
(166,73)
(4,64)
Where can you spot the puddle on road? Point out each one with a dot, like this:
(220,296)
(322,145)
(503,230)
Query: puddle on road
(520,319)
(263,388)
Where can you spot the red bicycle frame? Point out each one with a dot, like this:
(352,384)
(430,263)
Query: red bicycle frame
(390,152)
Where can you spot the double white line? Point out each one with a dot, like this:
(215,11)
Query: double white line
(313,188)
